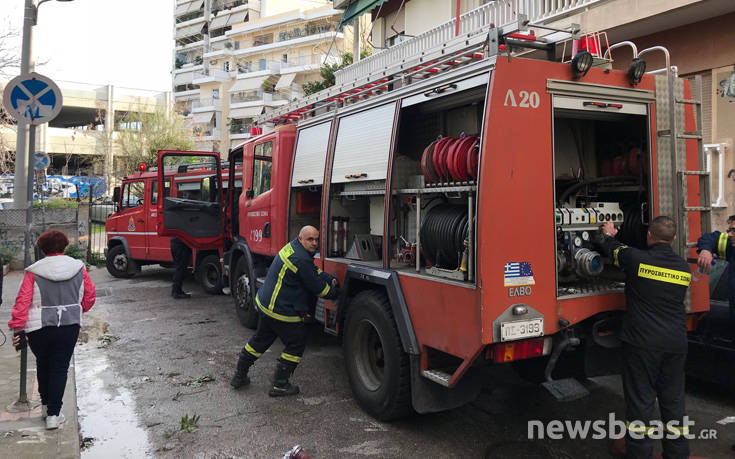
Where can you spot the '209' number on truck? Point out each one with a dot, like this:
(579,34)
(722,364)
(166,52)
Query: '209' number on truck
(525,99)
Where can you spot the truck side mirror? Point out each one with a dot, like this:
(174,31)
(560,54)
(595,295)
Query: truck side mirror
(249,194)
(116,195)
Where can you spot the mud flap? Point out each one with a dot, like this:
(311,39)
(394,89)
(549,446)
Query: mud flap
(565,390)
(430,397)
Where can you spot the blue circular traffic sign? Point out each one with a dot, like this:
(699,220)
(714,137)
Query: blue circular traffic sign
(32,98)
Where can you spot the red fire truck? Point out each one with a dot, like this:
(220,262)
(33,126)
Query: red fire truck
(460,194)
(132,230)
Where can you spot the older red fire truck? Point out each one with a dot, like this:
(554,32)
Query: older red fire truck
(132,234)
(460,194)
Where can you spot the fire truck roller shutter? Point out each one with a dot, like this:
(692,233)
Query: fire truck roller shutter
(310,155)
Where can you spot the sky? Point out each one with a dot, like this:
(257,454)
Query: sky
(126,43)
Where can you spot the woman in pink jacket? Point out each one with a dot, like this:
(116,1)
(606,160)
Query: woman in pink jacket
(54,293)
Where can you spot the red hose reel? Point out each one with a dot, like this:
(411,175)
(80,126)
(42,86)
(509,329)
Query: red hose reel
(451,159)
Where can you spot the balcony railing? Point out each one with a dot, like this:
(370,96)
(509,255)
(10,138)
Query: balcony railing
(499,12)
(259,66)
(216,74)
(207,103)
(313,59)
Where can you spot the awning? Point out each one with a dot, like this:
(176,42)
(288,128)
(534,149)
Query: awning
(188,7)
(248,84)
(189,31)
(357,9)
(247,112)
(222,19)
(183,78)
(219,21)
(203,118)
(285,81)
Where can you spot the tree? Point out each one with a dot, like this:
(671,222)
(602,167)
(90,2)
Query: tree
(9,64)
(142,134)
(327,73)
(9,58)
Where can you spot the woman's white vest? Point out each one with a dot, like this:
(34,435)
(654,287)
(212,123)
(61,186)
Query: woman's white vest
(58,289)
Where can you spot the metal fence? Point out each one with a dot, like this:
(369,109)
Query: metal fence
(98,213)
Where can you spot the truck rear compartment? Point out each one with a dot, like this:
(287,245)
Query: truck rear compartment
(601,173)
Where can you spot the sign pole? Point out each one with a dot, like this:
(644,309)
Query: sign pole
(29,196)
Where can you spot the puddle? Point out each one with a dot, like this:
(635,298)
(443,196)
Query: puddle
(106,411)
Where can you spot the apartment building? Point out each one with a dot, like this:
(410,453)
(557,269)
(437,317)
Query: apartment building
(235,59)
(697,33)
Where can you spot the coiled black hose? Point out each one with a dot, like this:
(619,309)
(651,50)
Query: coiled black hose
(443,233)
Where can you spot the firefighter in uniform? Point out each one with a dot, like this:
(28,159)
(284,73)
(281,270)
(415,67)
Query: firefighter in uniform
(654,338)
(181,253)
(289,288)
(722,244)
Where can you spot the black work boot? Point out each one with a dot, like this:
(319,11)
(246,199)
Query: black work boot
(241,379)
(281,386)
(181,295)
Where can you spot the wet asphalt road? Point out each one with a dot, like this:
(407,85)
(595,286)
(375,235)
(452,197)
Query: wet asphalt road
(145,360)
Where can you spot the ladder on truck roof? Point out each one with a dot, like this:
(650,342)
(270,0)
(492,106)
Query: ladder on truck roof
(672,169)
(480,44)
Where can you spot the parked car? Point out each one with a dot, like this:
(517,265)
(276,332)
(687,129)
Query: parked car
(712,345)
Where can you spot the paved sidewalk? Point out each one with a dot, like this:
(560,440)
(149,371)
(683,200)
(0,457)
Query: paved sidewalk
(24,434)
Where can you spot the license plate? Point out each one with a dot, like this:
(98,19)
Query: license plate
(521,329)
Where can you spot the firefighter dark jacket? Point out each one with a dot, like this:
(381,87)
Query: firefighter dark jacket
(718,243)
(656,283)
(291,283)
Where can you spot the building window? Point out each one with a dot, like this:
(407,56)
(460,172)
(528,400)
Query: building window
(284,58)
(215,94)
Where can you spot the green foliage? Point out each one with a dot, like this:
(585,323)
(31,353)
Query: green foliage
(190,424)
(59,203)
(7,252)
(162,129)
(73,250)
(327,73)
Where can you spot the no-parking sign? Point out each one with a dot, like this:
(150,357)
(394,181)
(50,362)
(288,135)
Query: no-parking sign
(32,98)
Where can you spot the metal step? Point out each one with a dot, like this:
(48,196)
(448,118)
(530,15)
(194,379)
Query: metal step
(438,376)
(259,282)
(695,172)
(688,101)
(697,208)
(683,135)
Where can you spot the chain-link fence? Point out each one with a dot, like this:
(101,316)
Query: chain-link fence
(13,225)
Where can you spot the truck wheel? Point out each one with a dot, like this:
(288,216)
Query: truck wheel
(210,274)
(119,264)
(377,366)
(244,294)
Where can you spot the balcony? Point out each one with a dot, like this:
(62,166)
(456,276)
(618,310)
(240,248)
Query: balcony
(207,105)
(302,39)
(256,98)
(306,63)
(210,75)
(262,67)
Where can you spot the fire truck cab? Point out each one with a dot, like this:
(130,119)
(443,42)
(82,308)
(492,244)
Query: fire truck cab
(460,200)
(132,230)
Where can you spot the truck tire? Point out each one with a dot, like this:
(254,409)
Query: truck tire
(209,272)
(119,264)
(377,366)
(244,294)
